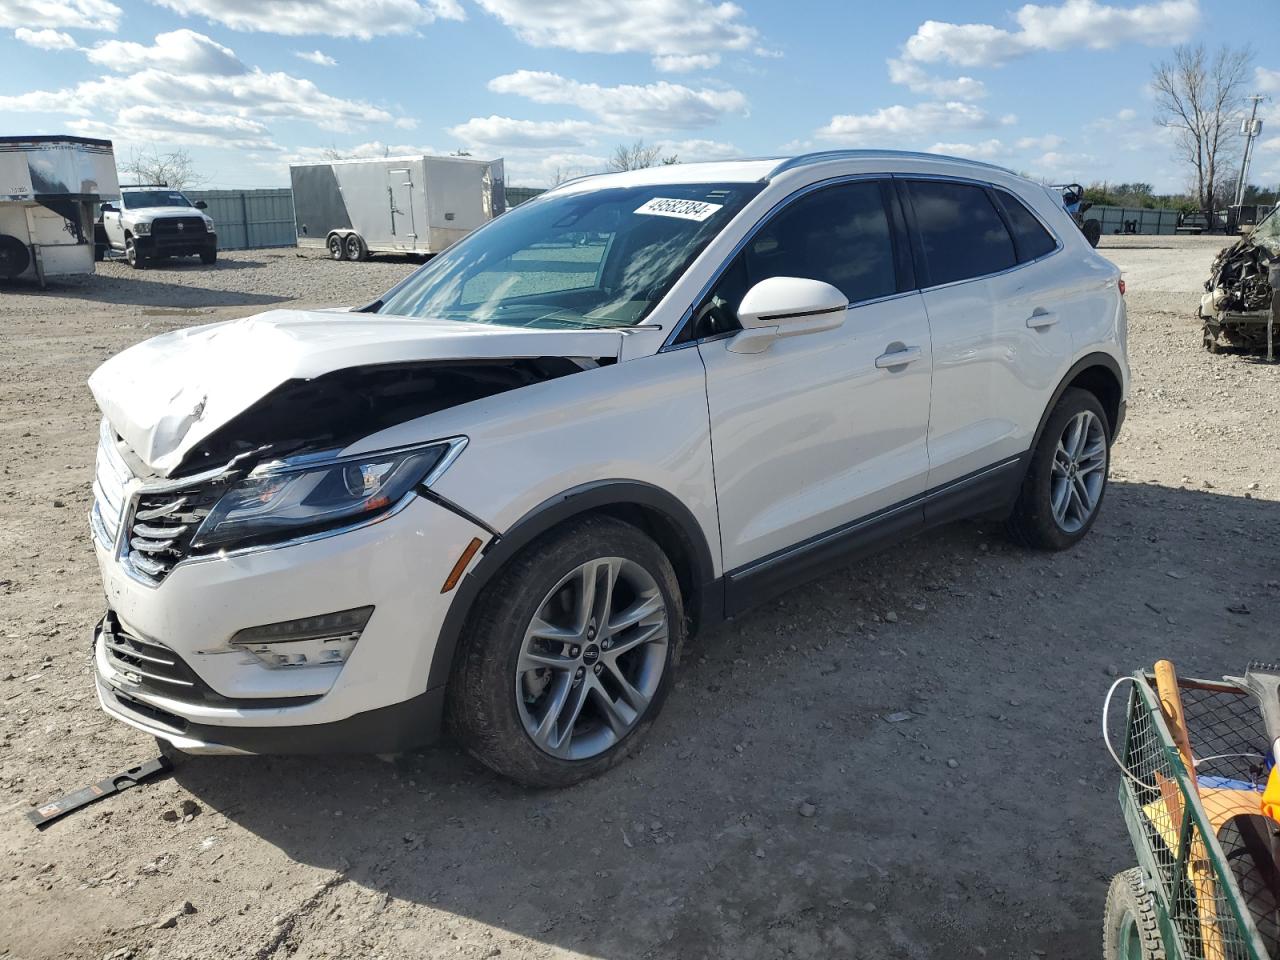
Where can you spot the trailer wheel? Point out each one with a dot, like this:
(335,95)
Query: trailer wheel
(1092,231)
(356,249)
(337,247)
(14,257)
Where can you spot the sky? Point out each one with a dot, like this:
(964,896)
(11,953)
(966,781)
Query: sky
(1056,90)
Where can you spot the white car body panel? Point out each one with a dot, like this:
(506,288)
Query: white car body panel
(810,434)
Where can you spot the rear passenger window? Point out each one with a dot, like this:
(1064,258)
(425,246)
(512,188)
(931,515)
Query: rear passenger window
(1029,235)
(961,231)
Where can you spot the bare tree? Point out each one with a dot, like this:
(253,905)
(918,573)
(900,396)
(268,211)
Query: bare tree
(1199,97)
(175,169)
(635,156)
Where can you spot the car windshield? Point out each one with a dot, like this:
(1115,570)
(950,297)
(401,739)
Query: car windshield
(586,259)
(137,199)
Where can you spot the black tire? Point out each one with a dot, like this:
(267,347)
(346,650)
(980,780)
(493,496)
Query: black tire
(209,257)
(1250,844)
(356,249)
(99,252)
(337,247)
(137,259)
(482,705)
(1092,231)
(1032,522)
(1130,927)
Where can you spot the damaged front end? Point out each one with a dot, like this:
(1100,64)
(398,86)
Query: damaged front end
(1237,305)
(233,436)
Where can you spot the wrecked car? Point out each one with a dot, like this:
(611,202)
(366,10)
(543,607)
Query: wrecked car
(504,493)
(1236,306)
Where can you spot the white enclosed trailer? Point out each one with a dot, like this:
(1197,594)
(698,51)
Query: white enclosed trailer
(416,204)
(49,187)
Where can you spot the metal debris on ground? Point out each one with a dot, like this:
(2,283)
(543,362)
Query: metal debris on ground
(47,813)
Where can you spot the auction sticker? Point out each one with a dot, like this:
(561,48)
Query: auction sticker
(682,209)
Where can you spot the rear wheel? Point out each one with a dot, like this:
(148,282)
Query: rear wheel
(356,250)
(1130,929)
(337,248)
(570,654)
(1092,230)
(1067,476)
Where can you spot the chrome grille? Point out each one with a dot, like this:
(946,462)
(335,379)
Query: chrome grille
(163,524)
(109,478)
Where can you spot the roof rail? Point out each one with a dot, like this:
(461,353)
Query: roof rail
(144,186)
(822,156)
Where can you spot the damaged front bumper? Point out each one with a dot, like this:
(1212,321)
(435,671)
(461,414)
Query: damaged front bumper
(165,662)
(1237,305)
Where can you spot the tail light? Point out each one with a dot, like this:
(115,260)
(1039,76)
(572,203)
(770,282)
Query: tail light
(1120,284)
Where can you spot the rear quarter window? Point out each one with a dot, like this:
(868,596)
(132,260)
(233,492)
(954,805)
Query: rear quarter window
(961,231)
(1030,237)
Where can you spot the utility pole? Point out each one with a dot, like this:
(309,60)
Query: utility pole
(1249,129)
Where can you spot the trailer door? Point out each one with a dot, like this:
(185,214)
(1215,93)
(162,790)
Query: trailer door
(404,226)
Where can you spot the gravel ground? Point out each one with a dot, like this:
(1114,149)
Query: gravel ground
(775,812)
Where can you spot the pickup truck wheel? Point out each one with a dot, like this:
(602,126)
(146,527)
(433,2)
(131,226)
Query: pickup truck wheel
(99,252)
(337,248)
(136,258)
(569,655)
(1067,476)
(209,256)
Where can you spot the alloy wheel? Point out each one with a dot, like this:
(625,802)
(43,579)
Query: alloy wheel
(1079,471)
(592,658)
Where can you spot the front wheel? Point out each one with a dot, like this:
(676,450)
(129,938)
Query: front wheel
(337,248)
(209,256)
(137,259)
(1130,928)
(1067,476)
(570,654)
(1092,230)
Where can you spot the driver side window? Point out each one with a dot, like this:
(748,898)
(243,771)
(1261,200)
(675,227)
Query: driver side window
(839,235)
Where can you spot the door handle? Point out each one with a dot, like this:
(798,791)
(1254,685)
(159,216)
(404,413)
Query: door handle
(898,358)
(1041,319)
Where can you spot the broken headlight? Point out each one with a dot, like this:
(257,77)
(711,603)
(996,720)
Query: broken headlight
(281,501)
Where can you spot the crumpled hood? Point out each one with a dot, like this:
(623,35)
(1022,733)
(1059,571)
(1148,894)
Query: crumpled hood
(165,395)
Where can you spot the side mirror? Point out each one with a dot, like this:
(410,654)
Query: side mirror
(786,307)
(108,208)
(200,205)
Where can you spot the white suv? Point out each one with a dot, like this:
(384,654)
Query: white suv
(506,492)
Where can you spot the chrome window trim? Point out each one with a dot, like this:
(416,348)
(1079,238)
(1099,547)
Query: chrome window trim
(790,198)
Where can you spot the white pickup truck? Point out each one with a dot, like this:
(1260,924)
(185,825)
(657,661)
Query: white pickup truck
(155,223)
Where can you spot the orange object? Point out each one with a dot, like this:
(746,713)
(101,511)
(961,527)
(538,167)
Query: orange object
(456,573)
(1271,796)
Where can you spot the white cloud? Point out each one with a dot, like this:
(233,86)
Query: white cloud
(693,151)
(334,18)
(181,51)
(1064,167)
(1073,23)
(1267,81)
(78,14)
(319,58)
(362,151)
(662,28)
(504,131)
(897,122)
(636,108)
(1050,141)
(147,124)
(45,39)
(985,150)
(917,80)
(685,62)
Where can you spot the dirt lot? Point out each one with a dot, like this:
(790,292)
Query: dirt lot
(775,812)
